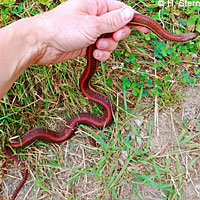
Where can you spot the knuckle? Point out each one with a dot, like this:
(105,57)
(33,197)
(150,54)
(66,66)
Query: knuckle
(107,56)
(112,45)
(97,26)
(114,22)
(115,45)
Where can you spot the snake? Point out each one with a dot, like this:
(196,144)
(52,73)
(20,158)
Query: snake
(47,135)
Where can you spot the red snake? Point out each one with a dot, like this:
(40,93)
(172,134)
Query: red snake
(48,135)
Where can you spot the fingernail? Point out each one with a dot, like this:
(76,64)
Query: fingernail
(127,13)
(123,34)
(99,54)
(102,44)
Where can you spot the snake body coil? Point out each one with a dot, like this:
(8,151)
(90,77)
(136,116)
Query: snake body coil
(47,135)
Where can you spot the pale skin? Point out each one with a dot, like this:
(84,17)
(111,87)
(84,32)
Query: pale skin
(61,34)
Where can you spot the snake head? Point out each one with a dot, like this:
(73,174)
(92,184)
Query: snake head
(188,37)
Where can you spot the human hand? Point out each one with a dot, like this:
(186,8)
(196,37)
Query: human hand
(66,31)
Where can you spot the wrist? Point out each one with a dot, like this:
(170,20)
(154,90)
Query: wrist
(21,43)
(19,48)
(40,35)
(33,39)
(45,34)
(25,30)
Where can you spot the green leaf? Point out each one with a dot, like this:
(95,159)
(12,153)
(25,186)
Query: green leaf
(198,26)
(175,59)
(33,12)
(7,2)
(189,138)
(20,8)
(155,65)
(132,58)
(126,81)
(192,162)
(183,21)
(149,83)
(191,20)
(151,6)
(45,2)
(156,91)
(145,93)
(198,45)
(183,48)
(109,82)
(169,51)
(156,82)
(167,78)
(122,171)
(95,111)
(73,179)
(134,91)
(44,144)
(157,53)
(162,45)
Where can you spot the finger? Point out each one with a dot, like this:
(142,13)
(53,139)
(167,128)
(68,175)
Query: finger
(122,33)
(101,55)
(114,5)
(141,28)
(106,44)
(114,20)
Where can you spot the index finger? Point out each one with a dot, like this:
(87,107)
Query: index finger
(114,5)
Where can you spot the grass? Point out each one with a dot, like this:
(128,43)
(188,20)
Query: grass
(150,151)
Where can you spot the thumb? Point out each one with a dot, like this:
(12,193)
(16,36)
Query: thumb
(114,20)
